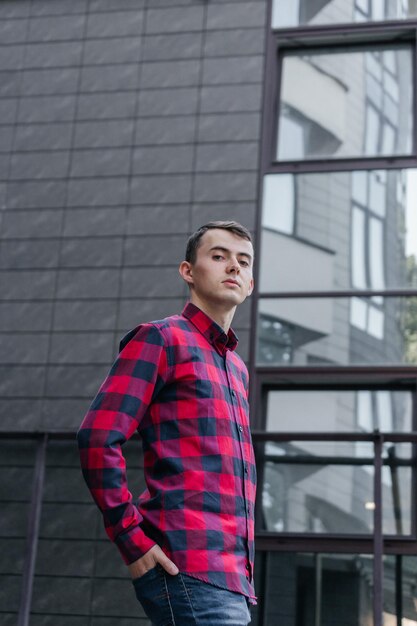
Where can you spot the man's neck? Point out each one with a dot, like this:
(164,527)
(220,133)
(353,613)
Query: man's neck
(222,317)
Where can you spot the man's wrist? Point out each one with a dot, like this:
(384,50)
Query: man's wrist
(133,544)
(142,565)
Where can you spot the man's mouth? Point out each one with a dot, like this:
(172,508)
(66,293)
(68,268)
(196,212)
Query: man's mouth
(231,282)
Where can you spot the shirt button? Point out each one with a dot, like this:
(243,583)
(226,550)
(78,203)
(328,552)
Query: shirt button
(246,469)
(241,429)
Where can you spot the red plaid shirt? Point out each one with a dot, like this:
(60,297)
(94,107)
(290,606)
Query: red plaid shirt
(179,383)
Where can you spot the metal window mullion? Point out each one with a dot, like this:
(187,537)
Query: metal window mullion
(378,536)
(265,586)
(414,466)
(358,33)
(318,589)
(270,86)
(33,533)
(340,293)
(399,589)
(263,436)
(326,166)
(414,103)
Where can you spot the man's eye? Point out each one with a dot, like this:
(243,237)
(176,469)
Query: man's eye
(244,263)
(217,257)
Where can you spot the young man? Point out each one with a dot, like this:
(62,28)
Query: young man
(189,539)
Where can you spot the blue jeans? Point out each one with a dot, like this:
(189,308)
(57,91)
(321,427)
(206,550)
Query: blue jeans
(185,601)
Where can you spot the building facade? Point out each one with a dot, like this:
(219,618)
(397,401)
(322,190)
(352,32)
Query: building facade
(126,124)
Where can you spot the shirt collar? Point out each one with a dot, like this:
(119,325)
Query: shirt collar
(211,331)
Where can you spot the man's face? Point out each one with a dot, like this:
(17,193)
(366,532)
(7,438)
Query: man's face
(222,273)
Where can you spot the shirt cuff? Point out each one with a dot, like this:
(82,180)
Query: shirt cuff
(133,544)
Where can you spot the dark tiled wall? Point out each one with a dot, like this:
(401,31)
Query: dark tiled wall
(16,468)
(79,574)
(124,125)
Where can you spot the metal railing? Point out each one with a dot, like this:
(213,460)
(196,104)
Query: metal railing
(378,439)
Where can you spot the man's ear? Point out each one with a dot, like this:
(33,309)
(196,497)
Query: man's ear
(186,272)
(250,287)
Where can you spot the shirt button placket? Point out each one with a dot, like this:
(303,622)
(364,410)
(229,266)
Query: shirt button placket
(245,466)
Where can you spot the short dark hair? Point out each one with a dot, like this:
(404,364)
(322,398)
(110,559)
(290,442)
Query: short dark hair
(194,240)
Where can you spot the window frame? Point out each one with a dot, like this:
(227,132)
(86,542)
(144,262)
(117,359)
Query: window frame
(310,37)
(278,41)
(328,379)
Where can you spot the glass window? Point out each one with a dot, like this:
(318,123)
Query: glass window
(376,253)
(373,65)
(337,331)
(278,205)
(391,87)
(288,13)
(326,487)
(344,114)
(372,132)
(359,183)
(374,90)
(388,139)
(389,61)
(315,498)
(337,410)
(408,198)
(377,182)
(375,322)
(291,138)
(400,602)
(378,9)
(359,313)
(358,248)
(364,410)
(390,109)
(363,6)
(301,589)
(367,314)
(285,12)
(303,585)
(346,230)
(385,419)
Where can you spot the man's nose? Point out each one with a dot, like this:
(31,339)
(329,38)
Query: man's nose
(234,265)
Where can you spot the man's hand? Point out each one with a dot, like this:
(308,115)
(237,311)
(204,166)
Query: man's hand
(149,560)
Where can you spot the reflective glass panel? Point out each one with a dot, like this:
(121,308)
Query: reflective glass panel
(300,589)
(304,585)
(301,492)
(400,602)
(339,331)
(340,230)
(287,13)
(358,104)
(319,410)
(328,487)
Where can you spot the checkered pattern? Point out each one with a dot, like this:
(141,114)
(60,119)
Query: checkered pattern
(179,383)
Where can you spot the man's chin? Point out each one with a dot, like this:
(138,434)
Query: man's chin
(231,299)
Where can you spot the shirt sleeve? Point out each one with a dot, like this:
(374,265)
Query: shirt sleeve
(116,412)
